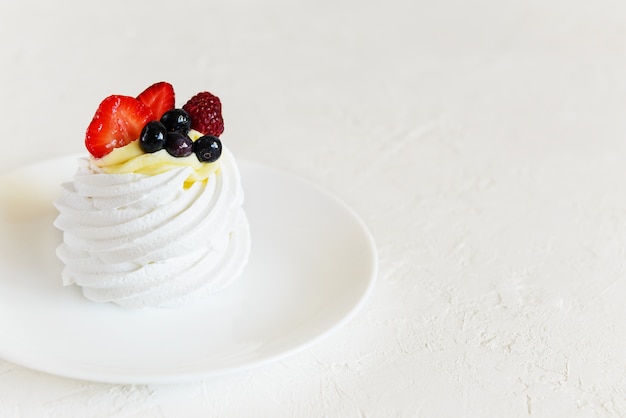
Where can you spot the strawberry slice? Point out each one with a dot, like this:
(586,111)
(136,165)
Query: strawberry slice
(159,97)
(117,122)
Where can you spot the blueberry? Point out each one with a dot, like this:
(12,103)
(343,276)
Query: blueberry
(176,120)
(208,148)
(178,145)
(152,137)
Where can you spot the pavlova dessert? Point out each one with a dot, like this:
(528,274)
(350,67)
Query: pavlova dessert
(153,216)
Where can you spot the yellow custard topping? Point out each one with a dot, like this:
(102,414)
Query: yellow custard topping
(132,159)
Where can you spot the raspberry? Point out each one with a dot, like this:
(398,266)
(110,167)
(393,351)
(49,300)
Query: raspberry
(205,111)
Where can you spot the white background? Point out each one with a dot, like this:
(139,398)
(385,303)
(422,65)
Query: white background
(482,142)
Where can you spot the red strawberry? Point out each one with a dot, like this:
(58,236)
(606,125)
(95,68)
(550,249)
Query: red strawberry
(117,122)
(205,111)
(159,97)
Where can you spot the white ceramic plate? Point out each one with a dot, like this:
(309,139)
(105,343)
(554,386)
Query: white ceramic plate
(312,266)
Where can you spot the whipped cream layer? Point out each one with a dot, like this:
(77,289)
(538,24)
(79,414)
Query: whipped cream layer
(152,240)
(132,159)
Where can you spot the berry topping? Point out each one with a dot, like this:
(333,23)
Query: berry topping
(205,110)
(178,145)
(176,120)
(208,148)
(153,136)
(152,119)
(159,97)
(117,122)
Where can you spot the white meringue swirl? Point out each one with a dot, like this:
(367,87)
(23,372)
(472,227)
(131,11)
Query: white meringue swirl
(148,240)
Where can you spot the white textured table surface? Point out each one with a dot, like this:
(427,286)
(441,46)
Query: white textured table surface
(482,142)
